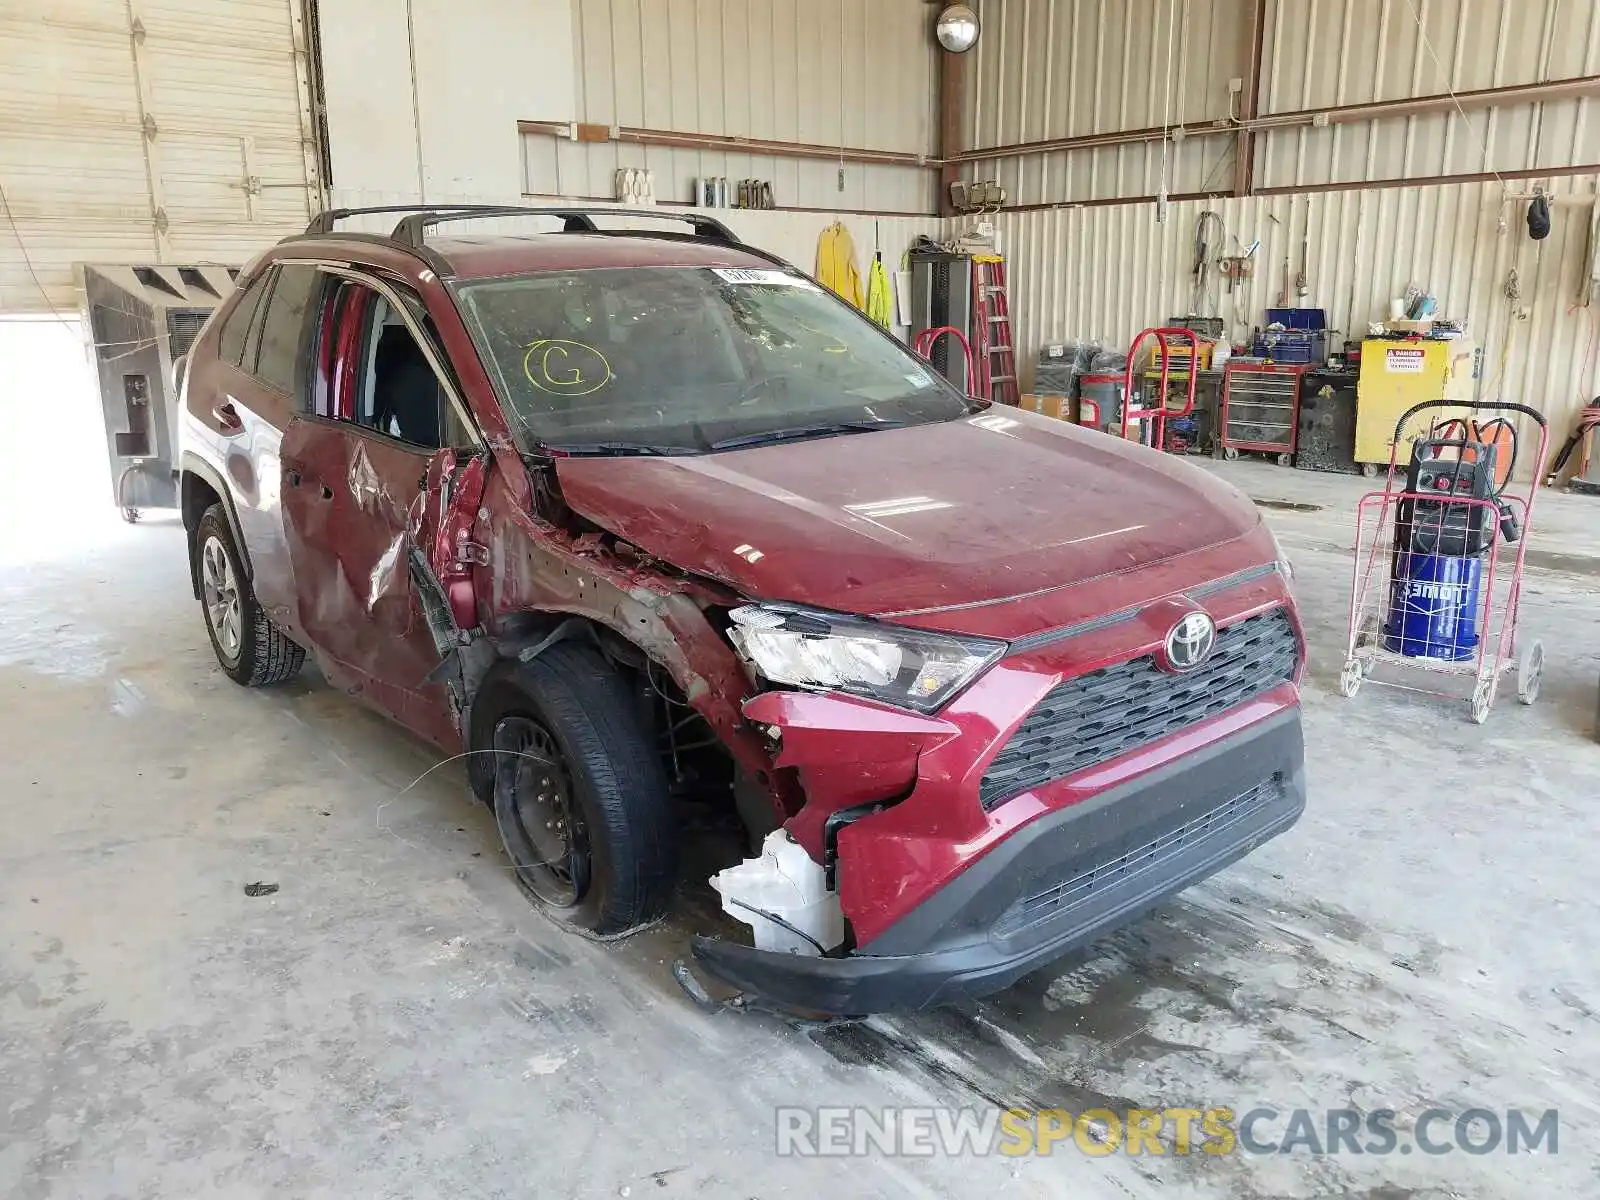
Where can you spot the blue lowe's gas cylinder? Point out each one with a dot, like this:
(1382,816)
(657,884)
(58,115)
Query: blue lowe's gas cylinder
(1433,610)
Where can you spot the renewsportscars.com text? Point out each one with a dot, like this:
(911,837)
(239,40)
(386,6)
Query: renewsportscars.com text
(955,1132)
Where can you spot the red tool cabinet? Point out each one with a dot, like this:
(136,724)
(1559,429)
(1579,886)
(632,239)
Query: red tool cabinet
(1260,409)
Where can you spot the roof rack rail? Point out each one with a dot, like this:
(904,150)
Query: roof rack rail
(324,221)
(412,229)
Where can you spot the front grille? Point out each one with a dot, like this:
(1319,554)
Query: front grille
(1095,717)
(1125,868)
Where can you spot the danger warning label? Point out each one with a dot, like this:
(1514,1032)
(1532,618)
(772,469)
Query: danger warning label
(1402,360)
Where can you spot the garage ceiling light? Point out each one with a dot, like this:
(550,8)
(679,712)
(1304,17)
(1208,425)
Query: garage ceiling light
(957,29)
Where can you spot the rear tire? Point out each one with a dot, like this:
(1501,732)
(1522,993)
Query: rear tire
(250,649)
(577,790)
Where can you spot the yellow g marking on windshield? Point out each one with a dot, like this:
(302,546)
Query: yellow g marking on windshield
(838,347)
(565,368)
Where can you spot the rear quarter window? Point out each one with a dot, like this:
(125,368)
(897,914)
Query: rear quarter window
(236,325)
(283,329)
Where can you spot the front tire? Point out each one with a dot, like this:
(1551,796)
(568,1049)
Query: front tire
(577,790)
(250,649)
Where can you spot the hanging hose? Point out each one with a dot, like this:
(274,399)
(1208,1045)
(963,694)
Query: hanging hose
(1202,253)
(1588,421)
(130,512)
(1489,434)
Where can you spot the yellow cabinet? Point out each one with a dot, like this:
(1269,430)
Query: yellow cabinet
(1397,375)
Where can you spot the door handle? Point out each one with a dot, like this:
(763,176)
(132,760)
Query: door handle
(227,418)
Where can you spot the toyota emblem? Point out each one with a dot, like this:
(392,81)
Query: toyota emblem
(1189,644)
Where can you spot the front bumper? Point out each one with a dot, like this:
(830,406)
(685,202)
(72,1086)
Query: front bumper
(1054,885)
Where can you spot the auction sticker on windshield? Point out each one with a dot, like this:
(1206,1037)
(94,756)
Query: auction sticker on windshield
(745,275)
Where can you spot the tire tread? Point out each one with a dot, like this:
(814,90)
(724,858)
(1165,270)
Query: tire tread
(268,655)
(587,699)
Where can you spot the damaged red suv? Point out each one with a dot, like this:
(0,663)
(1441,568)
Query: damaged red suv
(650,522)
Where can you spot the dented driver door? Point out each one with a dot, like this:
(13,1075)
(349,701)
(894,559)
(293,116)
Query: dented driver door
(354,472)
(347,499)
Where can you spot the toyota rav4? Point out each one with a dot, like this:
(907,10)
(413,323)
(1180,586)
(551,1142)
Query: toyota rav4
(648,522)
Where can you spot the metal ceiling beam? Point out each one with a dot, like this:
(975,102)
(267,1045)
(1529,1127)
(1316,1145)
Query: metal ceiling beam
(1345,114)
(768,147)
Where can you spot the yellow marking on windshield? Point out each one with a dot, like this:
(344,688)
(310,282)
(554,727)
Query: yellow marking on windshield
(564,367)
(838,348)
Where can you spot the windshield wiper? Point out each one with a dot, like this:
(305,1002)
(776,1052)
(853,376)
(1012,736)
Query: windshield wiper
(619,449)
(803,431)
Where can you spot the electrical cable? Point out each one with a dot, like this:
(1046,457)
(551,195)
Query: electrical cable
(1588,421)
(57,317)
(1422,32)
(1203,255)
(1166,107)
(27,259)
(1166,147)
(778,921)
(1468,431)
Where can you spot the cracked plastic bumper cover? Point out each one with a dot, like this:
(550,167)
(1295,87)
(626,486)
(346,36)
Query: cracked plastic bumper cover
(1055,885)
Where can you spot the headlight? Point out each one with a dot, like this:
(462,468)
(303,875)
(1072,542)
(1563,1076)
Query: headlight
(905,667)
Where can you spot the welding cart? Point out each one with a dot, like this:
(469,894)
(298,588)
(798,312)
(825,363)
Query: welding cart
(1437,578)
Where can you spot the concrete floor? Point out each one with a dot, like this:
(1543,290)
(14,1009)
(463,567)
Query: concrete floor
(396,1021)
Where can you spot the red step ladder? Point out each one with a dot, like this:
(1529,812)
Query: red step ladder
(994,348)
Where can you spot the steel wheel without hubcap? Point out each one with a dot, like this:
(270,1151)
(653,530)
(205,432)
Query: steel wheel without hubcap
(219,589)
(540,820)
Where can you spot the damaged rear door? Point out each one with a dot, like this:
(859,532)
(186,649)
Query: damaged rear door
(380,431)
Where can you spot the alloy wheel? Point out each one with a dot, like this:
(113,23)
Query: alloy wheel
(219,589)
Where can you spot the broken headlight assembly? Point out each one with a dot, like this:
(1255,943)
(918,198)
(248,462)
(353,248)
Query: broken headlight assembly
(908,668)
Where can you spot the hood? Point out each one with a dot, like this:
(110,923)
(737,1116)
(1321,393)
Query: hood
(911,521)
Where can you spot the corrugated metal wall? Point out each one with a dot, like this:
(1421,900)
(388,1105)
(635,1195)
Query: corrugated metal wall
(112,112)
(1332,52)
(1064,68)
(855,73)
(1109,271)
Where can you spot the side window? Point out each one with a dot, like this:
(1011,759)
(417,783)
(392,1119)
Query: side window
(283,328)
(236,328)
(372,372)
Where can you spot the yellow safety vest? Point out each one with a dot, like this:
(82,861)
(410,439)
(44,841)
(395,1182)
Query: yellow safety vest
(880,304)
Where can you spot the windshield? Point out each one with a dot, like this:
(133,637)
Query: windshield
(684,360)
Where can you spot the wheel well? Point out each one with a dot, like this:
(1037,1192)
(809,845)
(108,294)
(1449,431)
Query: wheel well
(697,762)
(195,495)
